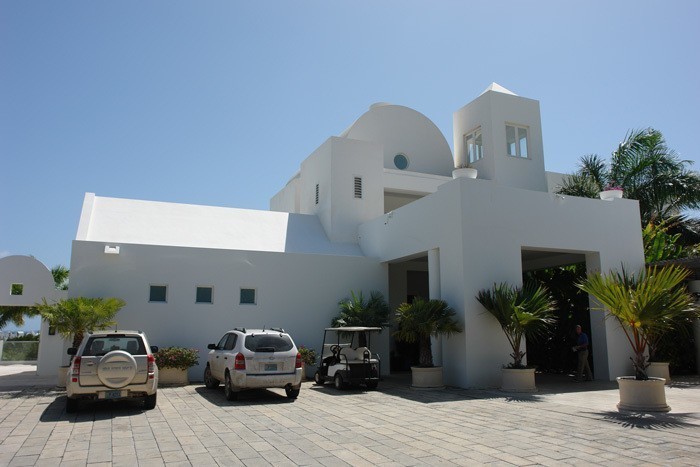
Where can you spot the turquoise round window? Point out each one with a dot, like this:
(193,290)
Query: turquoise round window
(400,161)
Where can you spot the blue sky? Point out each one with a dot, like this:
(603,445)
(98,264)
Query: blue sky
(218,102)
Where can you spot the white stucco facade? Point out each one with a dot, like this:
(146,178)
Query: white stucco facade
(375,208)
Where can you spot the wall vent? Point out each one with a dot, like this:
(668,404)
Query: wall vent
(317,193)
(358,187)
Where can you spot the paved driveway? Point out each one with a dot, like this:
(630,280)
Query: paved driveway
(391,426)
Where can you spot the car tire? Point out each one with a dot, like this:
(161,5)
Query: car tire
(71,405)
(292,393)
(230,394)
(338,381)
(150,402)
(209,381)
(318,379)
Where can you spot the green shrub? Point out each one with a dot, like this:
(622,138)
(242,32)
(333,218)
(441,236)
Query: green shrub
(177,357)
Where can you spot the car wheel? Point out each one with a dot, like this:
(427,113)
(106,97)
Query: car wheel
(318,379)
(71,405)
(338,381)
(209,381)
(230,394)
(292,393)
(150,402)
(372,385)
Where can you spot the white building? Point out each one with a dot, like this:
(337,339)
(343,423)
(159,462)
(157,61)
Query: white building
(375,208)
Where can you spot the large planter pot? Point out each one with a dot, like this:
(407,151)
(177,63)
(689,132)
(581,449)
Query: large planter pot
(426,378)
(642,396)
(62,375)
(308,371)
(518,380)
(609,195)
(659,370)
(173,377)
(464,172)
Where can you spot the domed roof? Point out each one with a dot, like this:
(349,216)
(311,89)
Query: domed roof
(404,132)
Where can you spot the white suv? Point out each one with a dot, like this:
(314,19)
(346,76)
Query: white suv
(112,365)
(254,358)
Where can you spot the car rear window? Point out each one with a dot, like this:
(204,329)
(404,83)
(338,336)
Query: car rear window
(97,346)
(268,343)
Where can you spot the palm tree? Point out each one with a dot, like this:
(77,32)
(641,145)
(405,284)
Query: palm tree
(74,316)
(647,170)
(356,311)
(60,276)
(647,305)
(15,315)
(526,311)
(420,320)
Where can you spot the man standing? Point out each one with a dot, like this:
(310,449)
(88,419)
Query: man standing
(581,348)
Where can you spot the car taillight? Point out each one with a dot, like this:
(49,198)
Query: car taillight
(298,362)
(239,363)
(75,371)
(151,366)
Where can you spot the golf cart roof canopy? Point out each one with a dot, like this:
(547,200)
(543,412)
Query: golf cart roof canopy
(353,329)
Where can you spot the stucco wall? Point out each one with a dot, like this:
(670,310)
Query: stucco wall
(481,229)
(298,292)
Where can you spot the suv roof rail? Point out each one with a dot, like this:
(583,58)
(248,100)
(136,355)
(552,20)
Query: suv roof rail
(275,329)
(239,329)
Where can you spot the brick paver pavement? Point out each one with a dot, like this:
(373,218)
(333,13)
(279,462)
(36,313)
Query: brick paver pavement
(391,426)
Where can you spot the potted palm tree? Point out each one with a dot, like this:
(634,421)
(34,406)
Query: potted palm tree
(418,322)
(356,311)
(72,317)
(645,304)
(527,312)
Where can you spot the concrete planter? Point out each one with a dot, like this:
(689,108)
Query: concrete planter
(426,378)
(464,172)
(609,195)
(659,370)
(62,375)
(642,396)
(173,377)
(518,380)
(308,371)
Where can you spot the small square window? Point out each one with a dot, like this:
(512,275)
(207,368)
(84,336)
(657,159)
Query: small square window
(17,289)
(247,296)
(204,294)
(158,293)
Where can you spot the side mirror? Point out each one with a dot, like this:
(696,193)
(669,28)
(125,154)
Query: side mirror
(72,351)
(154,349)
(211,347)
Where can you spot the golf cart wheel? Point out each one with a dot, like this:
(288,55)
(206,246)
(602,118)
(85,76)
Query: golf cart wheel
(372,385)
(291,393)
(318,379)
(209,381)
(230,394)
(338,381)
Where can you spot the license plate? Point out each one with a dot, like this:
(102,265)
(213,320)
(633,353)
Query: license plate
(113,394)
(270,367)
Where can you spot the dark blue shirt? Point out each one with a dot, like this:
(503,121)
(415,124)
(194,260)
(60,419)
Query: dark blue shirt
(582,341)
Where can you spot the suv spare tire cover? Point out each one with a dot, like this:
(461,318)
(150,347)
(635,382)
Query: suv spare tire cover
(116,369)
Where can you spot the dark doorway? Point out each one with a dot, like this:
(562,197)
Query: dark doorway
(553,354)
(404,354)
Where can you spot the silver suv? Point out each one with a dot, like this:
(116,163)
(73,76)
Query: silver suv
(254,358)
(111,366)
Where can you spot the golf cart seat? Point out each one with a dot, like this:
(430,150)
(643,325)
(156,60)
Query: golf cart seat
(355,355)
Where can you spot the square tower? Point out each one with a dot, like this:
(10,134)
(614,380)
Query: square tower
(500,134)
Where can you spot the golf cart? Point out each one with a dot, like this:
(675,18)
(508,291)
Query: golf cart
(346,358)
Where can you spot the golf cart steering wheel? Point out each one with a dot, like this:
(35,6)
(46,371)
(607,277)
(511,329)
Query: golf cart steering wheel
(335,350)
